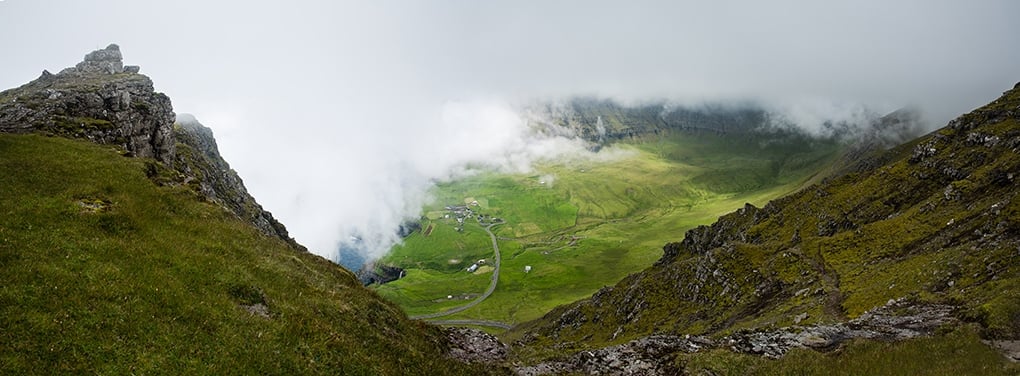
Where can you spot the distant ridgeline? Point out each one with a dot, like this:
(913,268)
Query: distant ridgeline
(603,121)
(102,100)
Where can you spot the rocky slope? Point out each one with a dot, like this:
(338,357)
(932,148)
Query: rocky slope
(898,320)
(934,222)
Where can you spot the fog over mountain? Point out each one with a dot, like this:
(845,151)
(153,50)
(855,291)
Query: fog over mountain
(339,115)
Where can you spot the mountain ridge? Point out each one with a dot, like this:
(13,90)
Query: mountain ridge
(103,101)
(99,100)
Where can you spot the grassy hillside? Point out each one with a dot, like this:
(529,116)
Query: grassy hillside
(585,223)
(932,221)
(103,271)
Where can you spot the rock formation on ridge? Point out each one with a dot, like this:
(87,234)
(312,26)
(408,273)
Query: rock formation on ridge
(99,99)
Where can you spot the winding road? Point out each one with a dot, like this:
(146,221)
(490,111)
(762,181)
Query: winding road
(488,291)
(494,324)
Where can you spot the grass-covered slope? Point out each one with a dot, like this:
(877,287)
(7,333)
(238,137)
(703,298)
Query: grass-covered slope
(103,271)
(935,220)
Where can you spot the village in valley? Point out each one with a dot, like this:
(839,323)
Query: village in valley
(472,211)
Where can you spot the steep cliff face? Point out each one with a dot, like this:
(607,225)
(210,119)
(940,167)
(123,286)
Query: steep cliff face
(99,99)
(933,221)
(198,160)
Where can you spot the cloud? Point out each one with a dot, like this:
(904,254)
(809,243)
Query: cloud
(467,137)
(338,114)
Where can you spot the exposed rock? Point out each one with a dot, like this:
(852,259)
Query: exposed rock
(475,346)
(1009,349)
(703,238)
(257,309)
(651,356)
(97,101)
(108,60)
(373,273)
(897,320)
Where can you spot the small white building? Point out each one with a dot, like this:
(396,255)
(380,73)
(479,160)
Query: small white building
(481,262)
(527,268)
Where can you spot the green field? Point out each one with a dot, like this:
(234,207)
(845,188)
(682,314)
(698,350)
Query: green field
(585,223)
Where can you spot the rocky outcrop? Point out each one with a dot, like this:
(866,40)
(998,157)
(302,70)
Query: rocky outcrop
(898,319)
(475,346)
(648,356)
(99,100)
(102,100)
(199,161)
(108,60)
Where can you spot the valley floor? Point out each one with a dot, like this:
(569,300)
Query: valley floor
(572,227)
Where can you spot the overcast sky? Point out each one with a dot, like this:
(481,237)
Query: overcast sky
(338,114)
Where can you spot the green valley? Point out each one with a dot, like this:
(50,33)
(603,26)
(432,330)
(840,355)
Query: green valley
(572,226)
